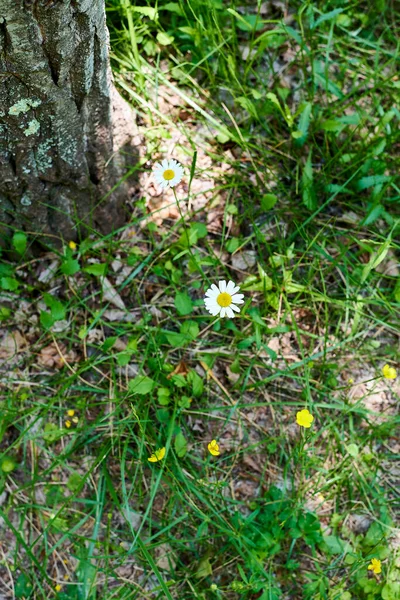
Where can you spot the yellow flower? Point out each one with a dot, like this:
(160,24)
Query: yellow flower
(375,566)
(304,418)
(72,245)
(68,424)
(213,448)
(58,587)
(389,372)
(70,413)
(157,455)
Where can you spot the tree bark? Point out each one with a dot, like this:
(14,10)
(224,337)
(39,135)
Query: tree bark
(62,123)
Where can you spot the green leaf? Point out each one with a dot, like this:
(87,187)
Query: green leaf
(147,11)
(57,308)
(70,266)
(141,385)
(190,329)
(74,482)
(307,182)
(197,383)
(109,343)
(123,358)
(391,590)
(183,303)
(268,201)
(19,242)
(184,402)
(204,569)
(164,39)
(23,587)
(172,7)
(52,433)
(180,445)
(367,182)
(304,122)
(200,229)
(9,283)
(396,292)
(353,450)
(327,17)
(232,245)
(177,340)
(163,396)
(98,269)
(46,320)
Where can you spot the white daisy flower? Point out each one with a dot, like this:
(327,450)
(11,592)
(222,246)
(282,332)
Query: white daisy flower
(222,300)
(168,173)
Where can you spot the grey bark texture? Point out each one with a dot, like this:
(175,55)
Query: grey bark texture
(65,133)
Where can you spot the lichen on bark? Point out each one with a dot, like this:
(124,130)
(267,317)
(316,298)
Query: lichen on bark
(62,123)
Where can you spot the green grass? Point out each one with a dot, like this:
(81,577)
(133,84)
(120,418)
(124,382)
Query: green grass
(308,124)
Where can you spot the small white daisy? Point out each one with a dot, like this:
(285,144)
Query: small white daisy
(222,300)
(168,173)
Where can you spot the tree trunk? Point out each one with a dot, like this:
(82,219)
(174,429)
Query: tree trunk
(62,123)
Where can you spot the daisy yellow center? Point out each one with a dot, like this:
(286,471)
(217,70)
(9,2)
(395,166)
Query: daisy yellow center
(168,174)
(224,299)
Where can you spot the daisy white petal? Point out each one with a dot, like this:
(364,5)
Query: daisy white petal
(229,312)
(230,287)
(235,308)
(222,313)
(238,298)
(222,286)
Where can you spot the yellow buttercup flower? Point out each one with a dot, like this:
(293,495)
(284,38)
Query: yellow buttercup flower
(68,424)
(375,566)
(72,245)
(58,587)
(304,418)
(70,412)
(389,372)
(213,448)
(157,455)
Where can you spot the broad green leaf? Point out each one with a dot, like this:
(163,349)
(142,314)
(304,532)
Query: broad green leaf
(164,39)
(147,11)
(197,383)
(19,242)
(327,17)
(353,450)
(301,134)
(23,587)
(9,283)
(183,303)
(171,7)
(109,343)
(367,182)
(141,385)
(180,445)
(396,291)
(96,269)
(204,569)
(190,329)
(268,201)
(70,266)
(46,319)
(175,339)
(57,308)
(232,245)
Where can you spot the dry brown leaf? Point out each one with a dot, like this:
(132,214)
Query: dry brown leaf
(12,344)
(54,357)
